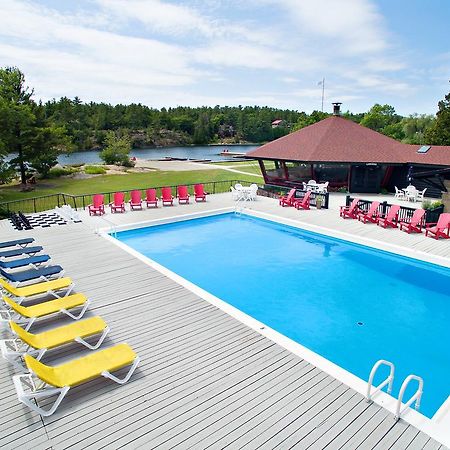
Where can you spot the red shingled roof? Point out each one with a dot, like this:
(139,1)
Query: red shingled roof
(336,139)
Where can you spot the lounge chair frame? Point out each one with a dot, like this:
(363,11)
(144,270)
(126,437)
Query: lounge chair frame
(29,390)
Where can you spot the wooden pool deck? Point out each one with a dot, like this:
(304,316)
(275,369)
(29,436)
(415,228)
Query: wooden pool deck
(205,379)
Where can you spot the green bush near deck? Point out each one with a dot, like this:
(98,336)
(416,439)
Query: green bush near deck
(57,172)
(94,170)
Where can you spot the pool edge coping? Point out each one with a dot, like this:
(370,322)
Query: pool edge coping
(434,427)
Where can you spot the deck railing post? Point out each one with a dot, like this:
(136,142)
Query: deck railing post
(347,200)
(34,204)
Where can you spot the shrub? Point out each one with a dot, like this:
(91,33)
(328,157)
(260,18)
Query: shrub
(343,189)
(94,170)
(59,172)
(427,204)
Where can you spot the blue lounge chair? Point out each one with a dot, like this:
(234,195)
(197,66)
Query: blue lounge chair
(32,274)
(17,243)
(21,251)
(32,261)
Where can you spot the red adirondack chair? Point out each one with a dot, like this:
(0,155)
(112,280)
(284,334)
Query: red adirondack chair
(199,192)
(350,211)
(167,197)
(150,198)
(97,206)
(183,194)
(391,218)
(438,230)
(371,215)
(118,203)
(288,200)
(136,200)
(303,202)
(415,223)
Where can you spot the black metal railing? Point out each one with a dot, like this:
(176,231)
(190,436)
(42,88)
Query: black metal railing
(274,191)
(47,202)
(404,214)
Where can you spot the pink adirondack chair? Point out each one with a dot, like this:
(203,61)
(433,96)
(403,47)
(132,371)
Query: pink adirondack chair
(390,219)
(415,223)
(183,194)
(439,228)
(97,206)
(303,202)
(199,192)
(136,200)
(350,211)
(167,197)
(371,215)
(118,203)
(288,200)
(150,198)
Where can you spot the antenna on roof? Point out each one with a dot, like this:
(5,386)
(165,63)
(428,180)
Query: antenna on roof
(337,108)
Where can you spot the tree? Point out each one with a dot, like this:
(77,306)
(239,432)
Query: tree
(16,115)
(415,128)
(25,128)
(439,132)
(379,117)
(117,150)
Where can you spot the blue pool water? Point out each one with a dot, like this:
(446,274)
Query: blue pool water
(349,303)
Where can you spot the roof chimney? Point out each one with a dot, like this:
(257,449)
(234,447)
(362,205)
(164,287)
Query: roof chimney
(337,108)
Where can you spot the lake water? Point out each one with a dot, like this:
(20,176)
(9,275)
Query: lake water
(191,152)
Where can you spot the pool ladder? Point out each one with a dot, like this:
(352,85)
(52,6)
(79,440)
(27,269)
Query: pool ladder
(388,381)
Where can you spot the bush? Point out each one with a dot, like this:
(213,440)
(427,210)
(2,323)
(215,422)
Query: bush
(94,170)
(59,172)
(427,204)
(343,189)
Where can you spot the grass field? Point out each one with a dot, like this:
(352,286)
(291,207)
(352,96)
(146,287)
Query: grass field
(110,183)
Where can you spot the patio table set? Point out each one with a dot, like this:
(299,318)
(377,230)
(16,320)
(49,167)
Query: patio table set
(313,186)
(244,193)
(410,194)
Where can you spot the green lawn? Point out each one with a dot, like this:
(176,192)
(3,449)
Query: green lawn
(110,183)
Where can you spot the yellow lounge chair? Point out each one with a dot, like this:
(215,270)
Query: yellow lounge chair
(28,314)
(47,287)
(37,344)
(45,381)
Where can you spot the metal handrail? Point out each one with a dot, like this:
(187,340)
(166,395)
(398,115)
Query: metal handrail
(415,398)
(112,226)
(388,381)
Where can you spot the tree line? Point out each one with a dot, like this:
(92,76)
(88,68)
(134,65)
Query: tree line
(38,132)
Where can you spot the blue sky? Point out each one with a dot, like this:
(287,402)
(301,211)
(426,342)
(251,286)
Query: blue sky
(253,52)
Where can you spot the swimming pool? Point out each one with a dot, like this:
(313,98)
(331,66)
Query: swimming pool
(349,303)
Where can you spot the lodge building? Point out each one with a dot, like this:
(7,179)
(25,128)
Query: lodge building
(349,155)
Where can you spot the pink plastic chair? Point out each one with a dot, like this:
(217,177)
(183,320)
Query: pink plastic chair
(167,197)
(391,218)
(199,192)
(183,194)
(135,200)
(97,206)
(288,200)
(350,211)
(118,204)
(441,225)
(371,215)
(415,223)
(150,198)
(303,202)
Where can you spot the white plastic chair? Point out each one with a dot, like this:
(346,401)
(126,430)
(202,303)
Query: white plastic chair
(253,192)
(235,194)
(323,188)
(420,195)
(399,193)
